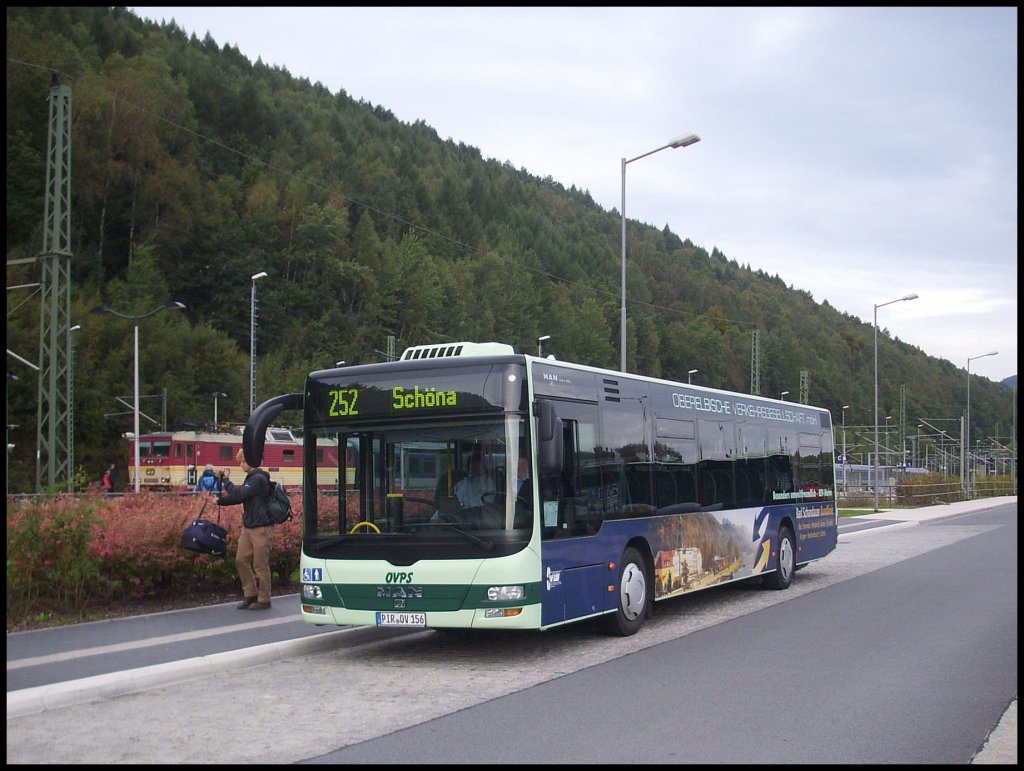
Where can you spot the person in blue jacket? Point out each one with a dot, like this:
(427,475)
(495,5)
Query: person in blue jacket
(209,481)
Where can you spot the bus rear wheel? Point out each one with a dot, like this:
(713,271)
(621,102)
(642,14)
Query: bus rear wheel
(632,598)
(782,576)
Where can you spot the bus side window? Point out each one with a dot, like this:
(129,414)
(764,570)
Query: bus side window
(578,490)
(780,474)
(667,489)
(558,512)
(708,494)
(686,485)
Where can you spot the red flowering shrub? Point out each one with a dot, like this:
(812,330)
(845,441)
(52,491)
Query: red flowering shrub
(138,541)
(66,550)
(49,565)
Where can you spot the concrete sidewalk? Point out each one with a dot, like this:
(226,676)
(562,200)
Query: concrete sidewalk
(938,511)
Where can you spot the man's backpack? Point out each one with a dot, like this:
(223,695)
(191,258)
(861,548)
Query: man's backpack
(279,504)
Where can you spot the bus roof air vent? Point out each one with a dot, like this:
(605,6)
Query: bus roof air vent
(447,350)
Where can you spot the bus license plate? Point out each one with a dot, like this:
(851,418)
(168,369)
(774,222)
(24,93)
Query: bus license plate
(401,619)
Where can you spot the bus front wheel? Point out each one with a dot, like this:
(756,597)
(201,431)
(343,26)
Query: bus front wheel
(782,576)
(632,598)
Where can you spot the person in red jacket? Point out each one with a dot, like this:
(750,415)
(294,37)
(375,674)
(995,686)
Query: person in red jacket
(110,479)
(252,558)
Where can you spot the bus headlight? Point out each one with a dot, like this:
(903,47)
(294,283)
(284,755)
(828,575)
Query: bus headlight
(496,593)
(311,592)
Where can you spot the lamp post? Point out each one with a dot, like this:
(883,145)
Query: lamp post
(967,466)
(911,296)
(683,141)
(885,433)
(783,395)
(845,459)
(920,440)
(170,305)
(540,344)
(71,407)
(216,395)
(690,374)
(252,340)
(7,420)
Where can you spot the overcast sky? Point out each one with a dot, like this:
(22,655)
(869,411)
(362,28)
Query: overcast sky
(860,154)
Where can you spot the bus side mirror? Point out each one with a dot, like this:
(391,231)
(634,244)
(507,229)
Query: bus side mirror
(549,439)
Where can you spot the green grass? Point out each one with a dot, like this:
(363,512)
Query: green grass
(870,509)
(855,512)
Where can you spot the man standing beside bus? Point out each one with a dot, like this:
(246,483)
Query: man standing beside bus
(252,558)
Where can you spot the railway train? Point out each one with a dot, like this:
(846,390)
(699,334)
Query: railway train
(172,461)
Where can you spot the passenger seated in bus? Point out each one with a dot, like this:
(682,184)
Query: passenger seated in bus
(470,489)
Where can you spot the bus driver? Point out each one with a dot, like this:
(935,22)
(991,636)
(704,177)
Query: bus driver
(470,489)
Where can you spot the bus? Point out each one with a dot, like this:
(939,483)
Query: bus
(172,461)
(612,491)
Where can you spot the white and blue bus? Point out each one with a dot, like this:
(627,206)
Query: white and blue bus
(610,491)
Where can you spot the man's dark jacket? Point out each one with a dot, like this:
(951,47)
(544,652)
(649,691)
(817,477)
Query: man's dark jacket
(253,497)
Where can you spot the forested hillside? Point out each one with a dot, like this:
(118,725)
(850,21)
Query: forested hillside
(194,168)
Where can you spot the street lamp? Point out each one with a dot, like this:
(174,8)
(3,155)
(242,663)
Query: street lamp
(7,420)
(911,296)
(845,459)
(252,340)
(968,467)
(690,374)
(885,433)
(215,396)
(540,344)
(169,305)
(683,141)
(783,395)
(71,407)
(920,440)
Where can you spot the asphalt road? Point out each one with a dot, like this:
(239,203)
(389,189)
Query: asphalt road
(168,687)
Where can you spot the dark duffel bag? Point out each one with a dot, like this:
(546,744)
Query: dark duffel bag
(204,536)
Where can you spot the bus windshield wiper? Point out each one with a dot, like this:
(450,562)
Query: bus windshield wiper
(481,542)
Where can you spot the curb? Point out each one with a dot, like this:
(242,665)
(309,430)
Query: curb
(31,701)
(1001,746)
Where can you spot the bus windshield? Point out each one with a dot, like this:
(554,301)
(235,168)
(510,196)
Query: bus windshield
(427,480)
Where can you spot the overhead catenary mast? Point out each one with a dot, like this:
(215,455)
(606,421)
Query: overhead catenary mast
(54,431)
